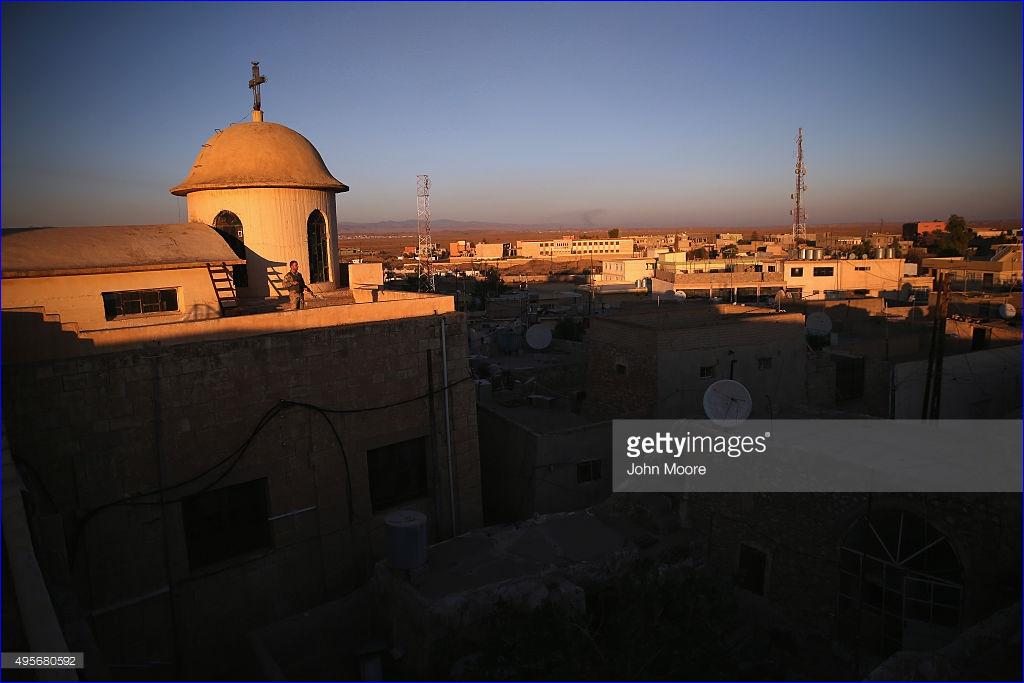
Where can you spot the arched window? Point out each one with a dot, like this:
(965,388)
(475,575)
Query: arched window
(230,226)
(900,584)
(316,236)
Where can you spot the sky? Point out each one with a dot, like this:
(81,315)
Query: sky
(597,114)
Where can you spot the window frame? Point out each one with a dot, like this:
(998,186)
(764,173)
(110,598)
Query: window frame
(111,307)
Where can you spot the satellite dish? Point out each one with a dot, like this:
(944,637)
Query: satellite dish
(727,403)
(679,294)
(1007,311)
(818,324)
(538,337)
(906,291)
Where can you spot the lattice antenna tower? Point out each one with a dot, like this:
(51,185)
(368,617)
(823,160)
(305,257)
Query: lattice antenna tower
(424,246)
(798,212)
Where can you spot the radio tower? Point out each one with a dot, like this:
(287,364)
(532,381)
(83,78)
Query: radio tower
(424,248)
(798,212)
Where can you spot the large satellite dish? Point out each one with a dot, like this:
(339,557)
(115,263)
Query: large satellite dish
(818,324)
(1007,311)
(679,294)
(538,337)
(727,403)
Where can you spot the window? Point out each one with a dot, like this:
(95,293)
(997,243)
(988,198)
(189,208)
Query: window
(707,371)
(771,269)
(900,584)
(621,368)
(226,522)
(398,473)
(796,272)
(862,267)
(764,363)
(230,227)
(588,470)
(824,271)
(752,569)
(139,302)
(316,241)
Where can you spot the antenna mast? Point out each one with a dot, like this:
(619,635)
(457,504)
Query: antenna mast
(424,247)
(798,212)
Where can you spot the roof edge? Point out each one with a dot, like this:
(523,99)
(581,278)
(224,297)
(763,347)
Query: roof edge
(181,189)
(14,274)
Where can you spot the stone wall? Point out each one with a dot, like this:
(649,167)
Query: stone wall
(102,428)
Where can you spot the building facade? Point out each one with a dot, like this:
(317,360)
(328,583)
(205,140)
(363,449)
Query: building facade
(569,245)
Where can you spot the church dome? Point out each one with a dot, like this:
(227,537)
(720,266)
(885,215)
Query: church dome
(258,154)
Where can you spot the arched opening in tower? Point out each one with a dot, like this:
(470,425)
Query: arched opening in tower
(230,227)
(316,236)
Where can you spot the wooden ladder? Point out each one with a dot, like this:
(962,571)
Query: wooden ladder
(224,287)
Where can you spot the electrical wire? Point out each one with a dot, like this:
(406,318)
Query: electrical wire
(233,458)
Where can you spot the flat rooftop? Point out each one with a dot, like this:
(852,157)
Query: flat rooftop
(676,316)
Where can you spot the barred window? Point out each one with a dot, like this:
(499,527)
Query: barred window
(139,302)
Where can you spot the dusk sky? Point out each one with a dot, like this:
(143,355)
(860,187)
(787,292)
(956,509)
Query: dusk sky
(603,114)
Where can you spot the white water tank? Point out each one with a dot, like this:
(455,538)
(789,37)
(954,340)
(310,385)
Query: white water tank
(406,532)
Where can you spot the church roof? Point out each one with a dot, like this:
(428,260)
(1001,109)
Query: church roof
(258,154)
(37,252)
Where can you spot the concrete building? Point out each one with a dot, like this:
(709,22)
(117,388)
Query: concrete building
(1002,270)
(912,230)
(659,364)
(94,278)
(837,278)
(570,245)
(627,270)
(538,457)
(188,481)
(495,250)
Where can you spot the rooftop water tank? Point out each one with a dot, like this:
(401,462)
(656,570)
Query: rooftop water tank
(406,534)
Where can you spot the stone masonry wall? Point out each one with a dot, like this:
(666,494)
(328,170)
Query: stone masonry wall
(102,428)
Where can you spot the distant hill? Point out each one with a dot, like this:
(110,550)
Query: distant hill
(448,225)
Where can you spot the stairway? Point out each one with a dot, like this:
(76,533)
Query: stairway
(224,287)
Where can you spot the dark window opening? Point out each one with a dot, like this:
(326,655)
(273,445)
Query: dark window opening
(824,271)
(796,272)
(764,363)
(398,473)
(707,371)
(980,338)
(752,569)
(316,239)
(139,302)
(849,377)
(226,522)
(230,227)
(620,368)
(589,470)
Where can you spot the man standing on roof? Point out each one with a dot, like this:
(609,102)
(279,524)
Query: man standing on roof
(296,286)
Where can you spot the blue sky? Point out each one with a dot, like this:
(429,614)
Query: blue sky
(612,114)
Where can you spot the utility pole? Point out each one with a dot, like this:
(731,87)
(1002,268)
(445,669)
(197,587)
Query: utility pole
(933,378)
(424,246)
(798,212)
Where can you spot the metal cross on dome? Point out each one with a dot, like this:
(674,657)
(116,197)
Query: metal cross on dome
(254,84)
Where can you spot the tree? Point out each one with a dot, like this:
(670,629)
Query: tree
(754,237)
(613,233)
(699,253)
(955,238)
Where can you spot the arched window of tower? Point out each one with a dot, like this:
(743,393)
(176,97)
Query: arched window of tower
(230,227)
(316,235)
